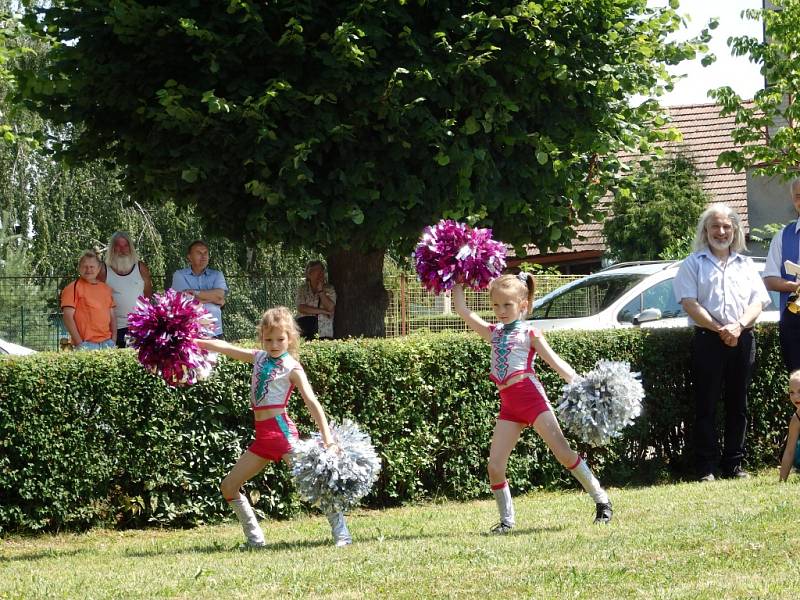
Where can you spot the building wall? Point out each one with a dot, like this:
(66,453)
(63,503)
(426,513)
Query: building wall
(768,201)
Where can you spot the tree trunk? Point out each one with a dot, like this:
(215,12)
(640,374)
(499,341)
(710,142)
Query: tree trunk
(361,299)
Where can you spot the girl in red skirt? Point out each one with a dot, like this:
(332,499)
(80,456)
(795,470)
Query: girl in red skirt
(515,343)
(276,373)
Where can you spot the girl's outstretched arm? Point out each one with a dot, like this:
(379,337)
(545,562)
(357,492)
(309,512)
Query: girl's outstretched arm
(549,355)
(791,445)
(243,354)
(299,379)
(472,320)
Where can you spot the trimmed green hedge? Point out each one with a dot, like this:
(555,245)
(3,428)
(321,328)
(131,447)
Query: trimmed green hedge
(90,438)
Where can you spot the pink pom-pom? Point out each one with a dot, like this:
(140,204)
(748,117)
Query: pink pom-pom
(164,331)
(451,252)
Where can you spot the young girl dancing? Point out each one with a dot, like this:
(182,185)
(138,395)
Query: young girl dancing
(276,372)
(515,344)
(791,456)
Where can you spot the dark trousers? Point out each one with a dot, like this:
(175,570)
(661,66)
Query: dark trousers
(121,333)
(720,370)
(789,330)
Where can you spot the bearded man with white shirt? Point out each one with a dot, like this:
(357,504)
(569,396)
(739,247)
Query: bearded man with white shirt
(723,294)
(128,277)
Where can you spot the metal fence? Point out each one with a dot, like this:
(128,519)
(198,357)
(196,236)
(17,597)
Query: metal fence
(30,314)
(412,308)
(29,311)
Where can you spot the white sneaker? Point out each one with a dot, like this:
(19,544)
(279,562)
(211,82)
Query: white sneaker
(251,545)
(501,528)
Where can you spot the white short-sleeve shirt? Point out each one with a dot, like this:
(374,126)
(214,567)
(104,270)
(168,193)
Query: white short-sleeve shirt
(724,288)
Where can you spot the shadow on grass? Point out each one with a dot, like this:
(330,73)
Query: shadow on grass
(278,546)
(529,530)
(517,531)
(43,554)
(220,548)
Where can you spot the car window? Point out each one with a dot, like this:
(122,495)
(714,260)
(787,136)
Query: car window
(658,296)
(586,298)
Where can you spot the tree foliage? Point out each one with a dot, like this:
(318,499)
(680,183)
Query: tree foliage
(768,128)
(356,123)
(63,209)
(661,215)
(16,43)
(58,209)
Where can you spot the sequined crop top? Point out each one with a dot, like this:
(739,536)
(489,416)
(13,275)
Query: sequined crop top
(512,352)
(270,386)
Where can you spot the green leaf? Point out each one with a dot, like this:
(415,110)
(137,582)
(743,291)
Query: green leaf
(708,59)
(190,175)
(442,159)
(357,215)
(541,157)
(471,125)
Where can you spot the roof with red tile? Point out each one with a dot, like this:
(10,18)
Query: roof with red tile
(705,136)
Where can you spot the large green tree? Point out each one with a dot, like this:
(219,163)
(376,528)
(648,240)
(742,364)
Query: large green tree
(349,125)
(15,42)
(768,127)
(668,201)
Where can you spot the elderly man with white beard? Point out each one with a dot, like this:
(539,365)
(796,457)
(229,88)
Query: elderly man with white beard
(127,276)
(723,294)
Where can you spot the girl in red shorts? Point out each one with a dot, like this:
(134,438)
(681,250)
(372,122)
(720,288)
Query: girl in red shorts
(276,373)
(515,343)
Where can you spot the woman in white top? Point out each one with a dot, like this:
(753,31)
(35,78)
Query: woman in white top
(316,302)
(128,278)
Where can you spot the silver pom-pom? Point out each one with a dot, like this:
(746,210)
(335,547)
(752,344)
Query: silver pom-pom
(598,405)
(335,479)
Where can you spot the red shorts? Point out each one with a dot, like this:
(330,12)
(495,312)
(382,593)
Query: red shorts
(523,401)
(274,437)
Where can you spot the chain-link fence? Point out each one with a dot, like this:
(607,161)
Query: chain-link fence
(29,311)
(30,314)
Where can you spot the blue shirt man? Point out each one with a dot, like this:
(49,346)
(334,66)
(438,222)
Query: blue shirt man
(786,246)
(207,285)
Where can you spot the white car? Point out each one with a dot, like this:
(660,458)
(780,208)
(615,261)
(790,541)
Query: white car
(15,349)
(623,295)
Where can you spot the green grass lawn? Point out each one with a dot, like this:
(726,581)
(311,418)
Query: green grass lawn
(727,539)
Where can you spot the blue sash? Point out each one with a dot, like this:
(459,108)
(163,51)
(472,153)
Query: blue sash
(789,251)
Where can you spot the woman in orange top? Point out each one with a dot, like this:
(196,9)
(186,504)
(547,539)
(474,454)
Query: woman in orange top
(88,307)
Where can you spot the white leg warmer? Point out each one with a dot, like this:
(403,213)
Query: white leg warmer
(505,506)
(584,475)
(341,535)
(243,510)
